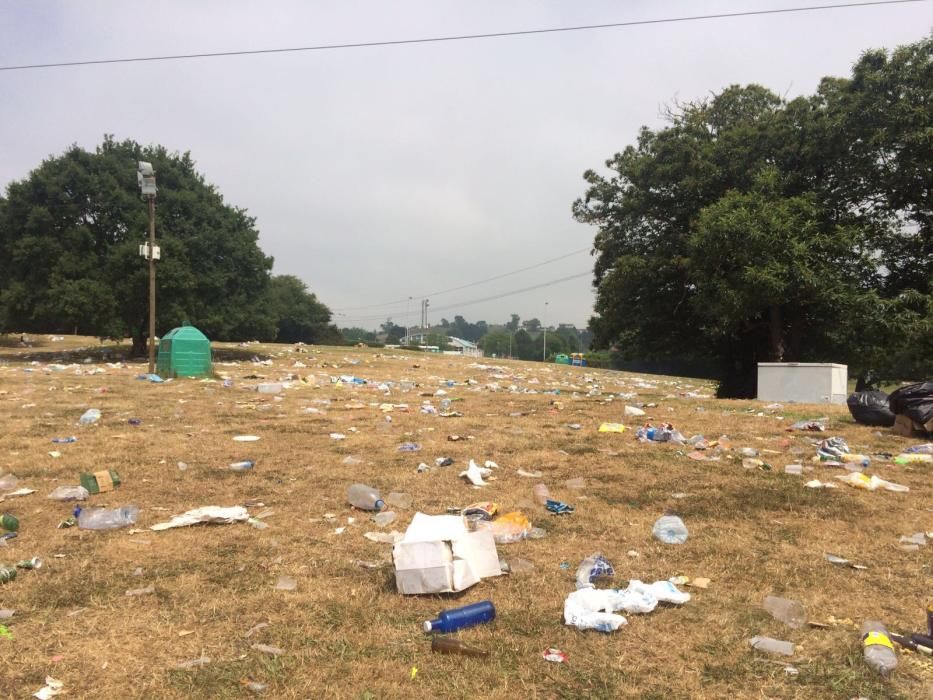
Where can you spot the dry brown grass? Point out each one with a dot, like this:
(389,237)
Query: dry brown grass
(345,631)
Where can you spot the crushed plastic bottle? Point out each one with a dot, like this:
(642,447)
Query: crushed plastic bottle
(364,497)
(877,648)
(69,493)
(243,466)
(790,612)
(772,646)
(89,417)
(107,518)
(670,530)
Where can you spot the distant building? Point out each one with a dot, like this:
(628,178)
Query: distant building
(464,347)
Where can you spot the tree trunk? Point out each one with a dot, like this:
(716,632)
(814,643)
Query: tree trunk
(140,340)
(776,333)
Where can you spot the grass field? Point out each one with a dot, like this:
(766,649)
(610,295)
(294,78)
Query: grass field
(345,632)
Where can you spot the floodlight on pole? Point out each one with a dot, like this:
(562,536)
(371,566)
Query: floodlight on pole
(145,176)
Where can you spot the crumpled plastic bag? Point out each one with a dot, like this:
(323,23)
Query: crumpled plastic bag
(592,568)
(873,483)
(592,608)
(205,514)
(816,425)
(507,528)
(832,449)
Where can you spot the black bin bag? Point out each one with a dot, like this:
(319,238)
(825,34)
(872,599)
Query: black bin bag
(870,408)
(914,401)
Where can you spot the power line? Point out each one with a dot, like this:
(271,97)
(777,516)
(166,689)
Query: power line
(494,297)
(458,37)
(464,286)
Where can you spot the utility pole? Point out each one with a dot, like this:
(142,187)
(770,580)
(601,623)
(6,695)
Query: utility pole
(544,352)
(145,175)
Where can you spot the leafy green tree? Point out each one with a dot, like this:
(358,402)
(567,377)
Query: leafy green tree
(394,332)
(496,343)
(523,347)
(569,337)
(299,316)
(69,237)
(750,229)
(358,335)
(532,325)
(513,324)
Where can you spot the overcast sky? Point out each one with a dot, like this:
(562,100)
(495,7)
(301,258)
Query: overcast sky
(382,173)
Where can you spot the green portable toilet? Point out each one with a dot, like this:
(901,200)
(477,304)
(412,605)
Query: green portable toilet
(184,352)
(562,359)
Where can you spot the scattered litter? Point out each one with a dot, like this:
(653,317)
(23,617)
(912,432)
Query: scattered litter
(285,583)
(633,411)
(612,428)
(559,507)
(89,417)
(670,529)
(790,612)
(193,663)
(554,655)
(592,608)
(862,481)
(815,425)
(245,438)
(409,447)
(593,567)
(205,514)
(772,646)
(507,528)
(528,474)
(51,688)
(384,537)
(148,590)
(267,649)
(840,561)
(338,436)
(817,484)
(475,474)
(439,555)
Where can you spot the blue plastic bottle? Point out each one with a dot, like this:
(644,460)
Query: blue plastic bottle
(458,618)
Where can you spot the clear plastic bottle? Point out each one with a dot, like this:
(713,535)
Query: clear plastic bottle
(69,493)
(541,493)
(364,497)
(457,618)
(877,647)
(243,466)
(790,612)
(772,646)
(670,530)
(107,518)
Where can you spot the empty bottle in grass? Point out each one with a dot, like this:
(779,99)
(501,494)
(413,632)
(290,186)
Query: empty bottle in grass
(449,645)
(790,612)
(364,497)
(670,529)
(107,518)
(243,466)
(458,618)
(877,647)
(772,646)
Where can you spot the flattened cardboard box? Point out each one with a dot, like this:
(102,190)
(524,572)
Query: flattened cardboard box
(439,555)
